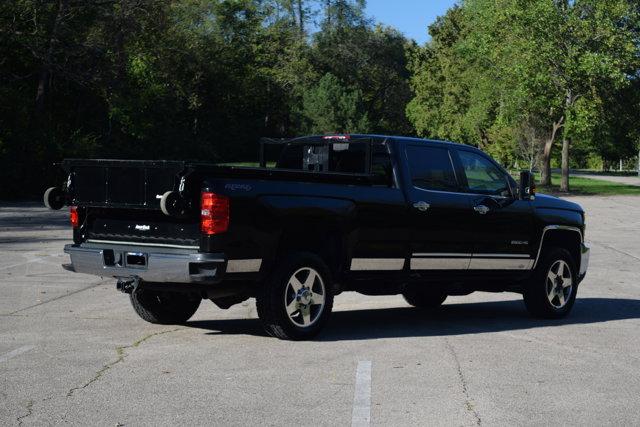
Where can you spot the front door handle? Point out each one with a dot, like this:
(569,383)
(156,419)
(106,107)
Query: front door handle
(481,209)
(422,206)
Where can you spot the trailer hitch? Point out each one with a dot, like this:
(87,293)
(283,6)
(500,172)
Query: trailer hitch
(128,286)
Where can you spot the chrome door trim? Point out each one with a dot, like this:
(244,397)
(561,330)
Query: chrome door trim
(440,263)
(493,196)
(481,255)
(466,261)
(244,265)
(441,255)
(554,227)
(377,264)
(479,263)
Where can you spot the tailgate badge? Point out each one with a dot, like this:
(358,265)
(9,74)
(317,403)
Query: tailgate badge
(143,227)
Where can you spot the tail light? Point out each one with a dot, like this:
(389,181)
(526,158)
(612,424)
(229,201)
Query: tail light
(74,217)
(214,213)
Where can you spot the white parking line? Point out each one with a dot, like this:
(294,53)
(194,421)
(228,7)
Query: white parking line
(361,415)
(16,352)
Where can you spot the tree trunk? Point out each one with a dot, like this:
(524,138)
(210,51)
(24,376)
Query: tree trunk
(545,180)
(301,16)
(564,183)
(484,139)
(570,100)
(546,153)
(42,91)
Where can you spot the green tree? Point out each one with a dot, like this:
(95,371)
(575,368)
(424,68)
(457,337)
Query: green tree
(330,107)
(494,68)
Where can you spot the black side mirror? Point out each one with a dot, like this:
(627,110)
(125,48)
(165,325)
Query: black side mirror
(527,189)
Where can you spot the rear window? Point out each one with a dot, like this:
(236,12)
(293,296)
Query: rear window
(431,168)
(341,157)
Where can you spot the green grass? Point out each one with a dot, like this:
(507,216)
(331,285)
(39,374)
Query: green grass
(587,186)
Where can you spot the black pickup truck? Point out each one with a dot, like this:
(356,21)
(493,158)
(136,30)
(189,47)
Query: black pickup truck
(379,215)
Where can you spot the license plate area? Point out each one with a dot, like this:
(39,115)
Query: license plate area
(111,258)
(135,260)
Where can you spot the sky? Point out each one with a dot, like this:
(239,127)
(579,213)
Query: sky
(412,17)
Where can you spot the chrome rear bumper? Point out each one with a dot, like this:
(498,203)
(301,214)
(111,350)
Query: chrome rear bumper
(151,264)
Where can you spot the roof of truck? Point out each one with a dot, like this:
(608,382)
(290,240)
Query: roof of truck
(352,137)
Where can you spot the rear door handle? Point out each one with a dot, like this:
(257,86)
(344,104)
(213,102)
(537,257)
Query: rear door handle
(481,209)
(422,206)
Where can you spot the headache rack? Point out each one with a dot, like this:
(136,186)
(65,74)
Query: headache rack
(327,153)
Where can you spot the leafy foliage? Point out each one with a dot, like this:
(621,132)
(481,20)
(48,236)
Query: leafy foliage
(558,68)
(186,79)
(205,79)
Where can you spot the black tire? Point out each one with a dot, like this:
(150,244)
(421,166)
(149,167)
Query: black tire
(275,291)
(536,293)
(53,198)
(424,298)
(165,308)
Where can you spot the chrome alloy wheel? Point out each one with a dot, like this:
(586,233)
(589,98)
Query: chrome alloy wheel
(304,297)
(559,284)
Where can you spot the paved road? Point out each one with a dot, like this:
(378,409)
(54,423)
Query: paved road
(72,350)
(627,180)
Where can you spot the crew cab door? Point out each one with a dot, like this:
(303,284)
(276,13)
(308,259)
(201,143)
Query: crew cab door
(503,224)
(439,214)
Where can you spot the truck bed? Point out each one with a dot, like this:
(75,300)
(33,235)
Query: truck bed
(140,184)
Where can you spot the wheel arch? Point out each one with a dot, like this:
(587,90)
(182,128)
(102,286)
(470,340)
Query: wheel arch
(326,239)
(561,236)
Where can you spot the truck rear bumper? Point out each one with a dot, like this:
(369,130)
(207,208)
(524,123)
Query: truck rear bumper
(585,252)
(151,264)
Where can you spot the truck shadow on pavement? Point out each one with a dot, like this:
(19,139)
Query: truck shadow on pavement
(450,319)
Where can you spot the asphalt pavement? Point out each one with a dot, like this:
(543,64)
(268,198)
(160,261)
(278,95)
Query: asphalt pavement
(72,351)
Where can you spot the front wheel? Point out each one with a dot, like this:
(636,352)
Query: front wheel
(295,302)
(551,291)
(166,308)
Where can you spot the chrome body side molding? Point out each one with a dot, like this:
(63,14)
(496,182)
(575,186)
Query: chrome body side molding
(466,261)
(511,263)
(377,264)
(244,265)
(440,263)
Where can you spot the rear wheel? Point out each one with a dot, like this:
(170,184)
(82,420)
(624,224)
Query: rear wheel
(295,302)
(551,292)
(424,298)
(165,308)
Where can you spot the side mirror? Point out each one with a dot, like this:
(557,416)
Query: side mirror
(527,189)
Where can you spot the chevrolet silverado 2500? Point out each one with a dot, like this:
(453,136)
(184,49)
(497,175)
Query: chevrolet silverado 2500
(379,215)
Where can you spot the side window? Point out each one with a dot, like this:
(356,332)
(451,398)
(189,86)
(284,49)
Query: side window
(431,168)
(483,176)
(381,167)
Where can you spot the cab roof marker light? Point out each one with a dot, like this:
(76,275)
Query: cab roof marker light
(337,137)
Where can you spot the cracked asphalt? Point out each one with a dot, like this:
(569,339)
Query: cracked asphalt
(72,351)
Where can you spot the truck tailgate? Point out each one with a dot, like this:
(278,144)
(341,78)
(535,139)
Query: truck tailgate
(121,201)
(121,183)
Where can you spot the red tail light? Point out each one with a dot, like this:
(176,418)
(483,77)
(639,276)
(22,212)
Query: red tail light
(73,216)
(214,213)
